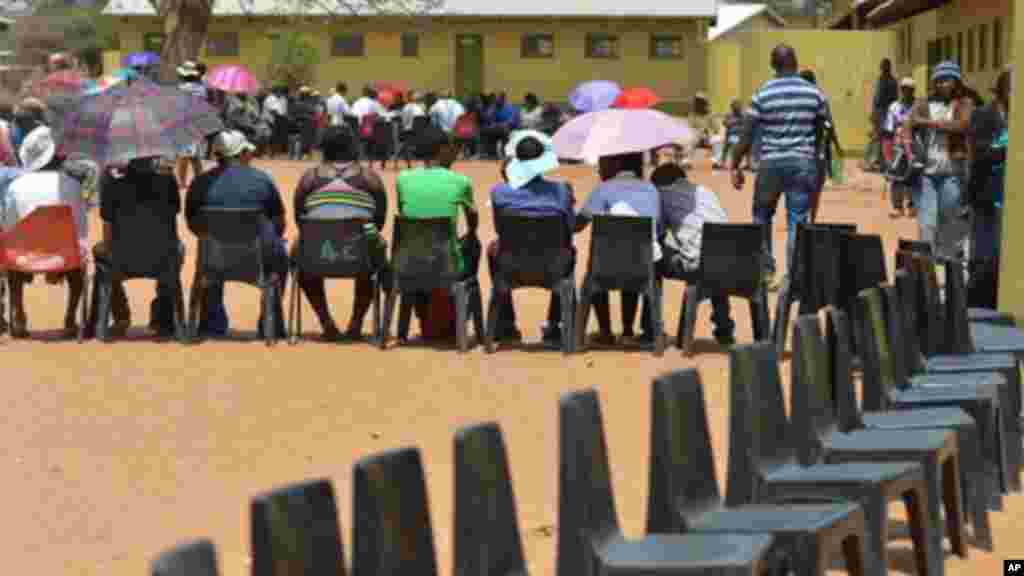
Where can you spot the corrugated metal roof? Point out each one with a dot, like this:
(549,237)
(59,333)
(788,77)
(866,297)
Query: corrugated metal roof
(480,8)
(730,16)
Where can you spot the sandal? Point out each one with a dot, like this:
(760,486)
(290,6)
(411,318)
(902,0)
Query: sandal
(19,328)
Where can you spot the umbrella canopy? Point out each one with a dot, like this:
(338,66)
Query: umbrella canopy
(387,98)
(636,98)
(393,87)
(594,96)
(105,83)
(234,79)
(60,81)
(140,60)
(618,131)
(139,120)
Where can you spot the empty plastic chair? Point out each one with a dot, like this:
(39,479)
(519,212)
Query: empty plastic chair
(295,530)
(197,558)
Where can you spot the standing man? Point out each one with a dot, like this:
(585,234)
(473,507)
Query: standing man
(276,104)
(886,92)
(788,112)
(337,105)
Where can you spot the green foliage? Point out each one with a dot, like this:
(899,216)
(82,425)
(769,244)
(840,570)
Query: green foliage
(293,60)
(55,27)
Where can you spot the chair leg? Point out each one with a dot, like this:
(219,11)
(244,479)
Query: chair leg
(103,303)
(294,322)
(583,314)
(461,309)
(974,479)
(853,554)
(476,309)
(657,320)
(917,515)
(953,505)
(493,312)
(692,301)
(566,289)
(389,310)
(375,286)
(84,304)
(782,308)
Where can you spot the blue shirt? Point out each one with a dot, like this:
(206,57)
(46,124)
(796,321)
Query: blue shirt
(624,191)
(786,110)
(507,114)
(236,186)
(539,197)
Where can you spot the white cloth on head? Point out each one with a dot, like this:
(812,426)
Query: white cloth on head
(47,188)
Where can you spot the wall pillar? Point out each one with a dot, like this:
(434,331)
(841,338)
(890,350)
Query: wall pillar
(1011,273)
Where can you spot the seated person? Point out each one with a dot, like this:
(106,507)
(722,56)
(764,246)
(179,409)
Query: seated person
(435,191)
(501,119)
(342,188)
(235,184)
(529,155)
(622,190)
(144,182)
(43,184)
(685,208)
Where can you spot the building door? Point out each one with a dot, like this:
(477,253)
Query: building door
(469,64)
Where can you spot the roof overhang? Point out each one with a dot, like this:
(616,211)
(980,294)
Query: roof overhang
(892,11)
(860,8)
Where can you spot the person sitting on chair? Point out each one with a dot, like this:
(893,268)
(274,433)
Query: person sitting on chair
(342,188)
(44,184)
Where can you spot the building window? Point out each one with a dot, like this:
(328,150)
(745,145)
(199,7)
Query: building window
(997,43)
(602,46)
(537,46)
(666,47)
(410,45)
(982,46)
(970,50)
(153,42)
(348,45)
(222,45)
(960,49)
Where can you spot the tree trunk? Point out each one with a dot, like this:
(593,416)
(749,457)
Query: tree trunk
(185,25)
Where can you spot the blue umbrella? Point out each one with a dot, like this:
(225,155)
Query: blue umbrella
(140,60)
(594,96)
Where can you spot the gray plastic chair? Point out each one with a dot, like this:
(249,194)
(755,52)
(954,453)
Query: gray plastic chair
(684,494)
(590,542)
(392,533)
(973,479)
(294,530)
(886,387)
(198,558)
(763,465)
(936,449)
(487,539)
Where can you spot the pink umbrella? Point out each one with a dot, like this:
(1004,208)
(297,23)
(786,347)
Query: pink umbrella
(618,131)
(231,78)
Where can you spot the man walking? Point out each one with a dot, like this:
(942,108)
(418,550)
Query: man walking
(788,112)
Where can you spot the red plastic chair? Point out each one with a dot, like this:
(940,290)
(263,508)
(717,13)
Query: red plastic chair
(46,241)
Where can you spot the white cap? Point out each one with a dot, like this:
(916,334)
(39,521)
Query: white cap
(231,144)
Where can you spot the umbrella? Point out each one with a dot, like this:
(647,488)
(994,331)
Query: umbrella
(235,79)
(636,98)
(60,81)
(393,87)
(618,131)
(140,60)
(139,120)
(594,96)
(106,83)
(387,97)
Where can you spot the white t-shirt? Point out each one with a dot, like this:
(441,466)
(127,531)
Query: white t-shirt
(410,112)
(365,106)
(35,189)
(445,113)
(276,104)
(337,108)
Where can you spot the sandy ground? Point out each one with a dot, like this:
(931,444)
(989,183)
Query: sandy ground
(112,453)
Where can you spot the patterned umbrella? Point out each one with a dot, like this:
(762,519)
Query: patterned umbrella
(235,79)
(594,96)
(140,60)
(139,120)
(60,81)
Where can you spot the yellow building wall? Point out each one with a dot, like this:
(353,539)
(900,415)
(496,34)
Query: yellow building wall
(1011,264)
(723,63)
(675,81)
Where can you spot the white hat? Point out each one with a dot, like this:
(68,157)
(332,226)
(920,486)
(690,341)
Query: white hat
(188,69)
(305,89)
(907,82)
(37,149)
(231,143)
(518,171)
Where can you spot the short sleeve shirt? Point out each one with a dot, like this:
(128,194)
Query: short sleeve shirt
(786,111)
(157,191)
(436,193)
(539,197)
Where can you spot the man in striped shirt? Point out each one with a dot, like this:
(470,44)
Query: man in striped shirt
(789,113)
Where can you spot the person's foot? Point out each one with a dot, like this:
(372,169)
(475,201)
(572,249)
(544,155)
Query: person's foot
(509,334)
(603,339)
(19,327)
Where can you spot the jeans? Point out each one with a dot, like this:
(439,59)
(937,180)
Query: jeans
(938,202)
(986,233)
(798,181)
(755,148)
(215,322)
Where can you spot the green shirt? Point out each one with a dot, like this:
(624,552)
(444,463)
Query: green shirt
(436,193)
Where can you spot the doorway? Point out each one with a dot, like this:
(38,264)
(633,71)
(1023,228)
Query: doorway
(469,64)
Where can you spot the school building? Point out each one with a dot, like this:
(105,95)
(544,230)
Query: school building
(467,46)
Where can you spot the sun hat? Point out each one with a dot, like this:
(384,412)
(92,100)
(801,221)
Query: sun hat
(520,170)
(231,143)
(37,149)
(907,82)
(947,70)
(188,69)
(701,96)
(305,89)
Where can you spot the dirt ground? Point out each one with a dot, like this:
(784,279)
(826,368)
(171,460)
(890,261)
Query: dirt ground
(113,453)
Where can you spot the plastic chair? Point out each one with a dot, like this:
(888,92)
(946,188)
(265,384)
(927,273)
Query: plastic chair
(816,247)
(232,251)
(590,542)
(973,479)
(813,414)
(295,531)
(983,337)
(198,558)
(383,141)
(684,494)
(864,266)
(621,258)
(337,249)
(730,262)
(486,535)
(46,241)
(144,246)
(391,524)
(763,464)
(422,262)
(532,254)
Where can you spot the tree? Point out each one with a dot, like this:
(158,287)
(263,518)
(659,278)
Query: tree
(55,27)
(293,60)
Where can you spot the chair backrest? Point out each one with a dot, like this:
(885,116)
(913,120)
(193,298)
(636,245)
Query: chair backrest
(621,252)
(928,309)
(383,132)
(334,248)
(487,539)
(895,324)
(840,360)
(586,507)
(813,414)
(44,241)
(294,530)
(421,255)
(144,244)
(879,365)
(531,251)
(760,436)
(198,558)
(863,257)
(817,266)
(731,258)
(232,246)
(906,287)
(682,482)
(958,328)
(392,533)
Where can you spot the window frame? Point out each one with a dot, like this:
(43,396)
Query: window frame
(525,41)
(652,53)
(335,53)
(592,38)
